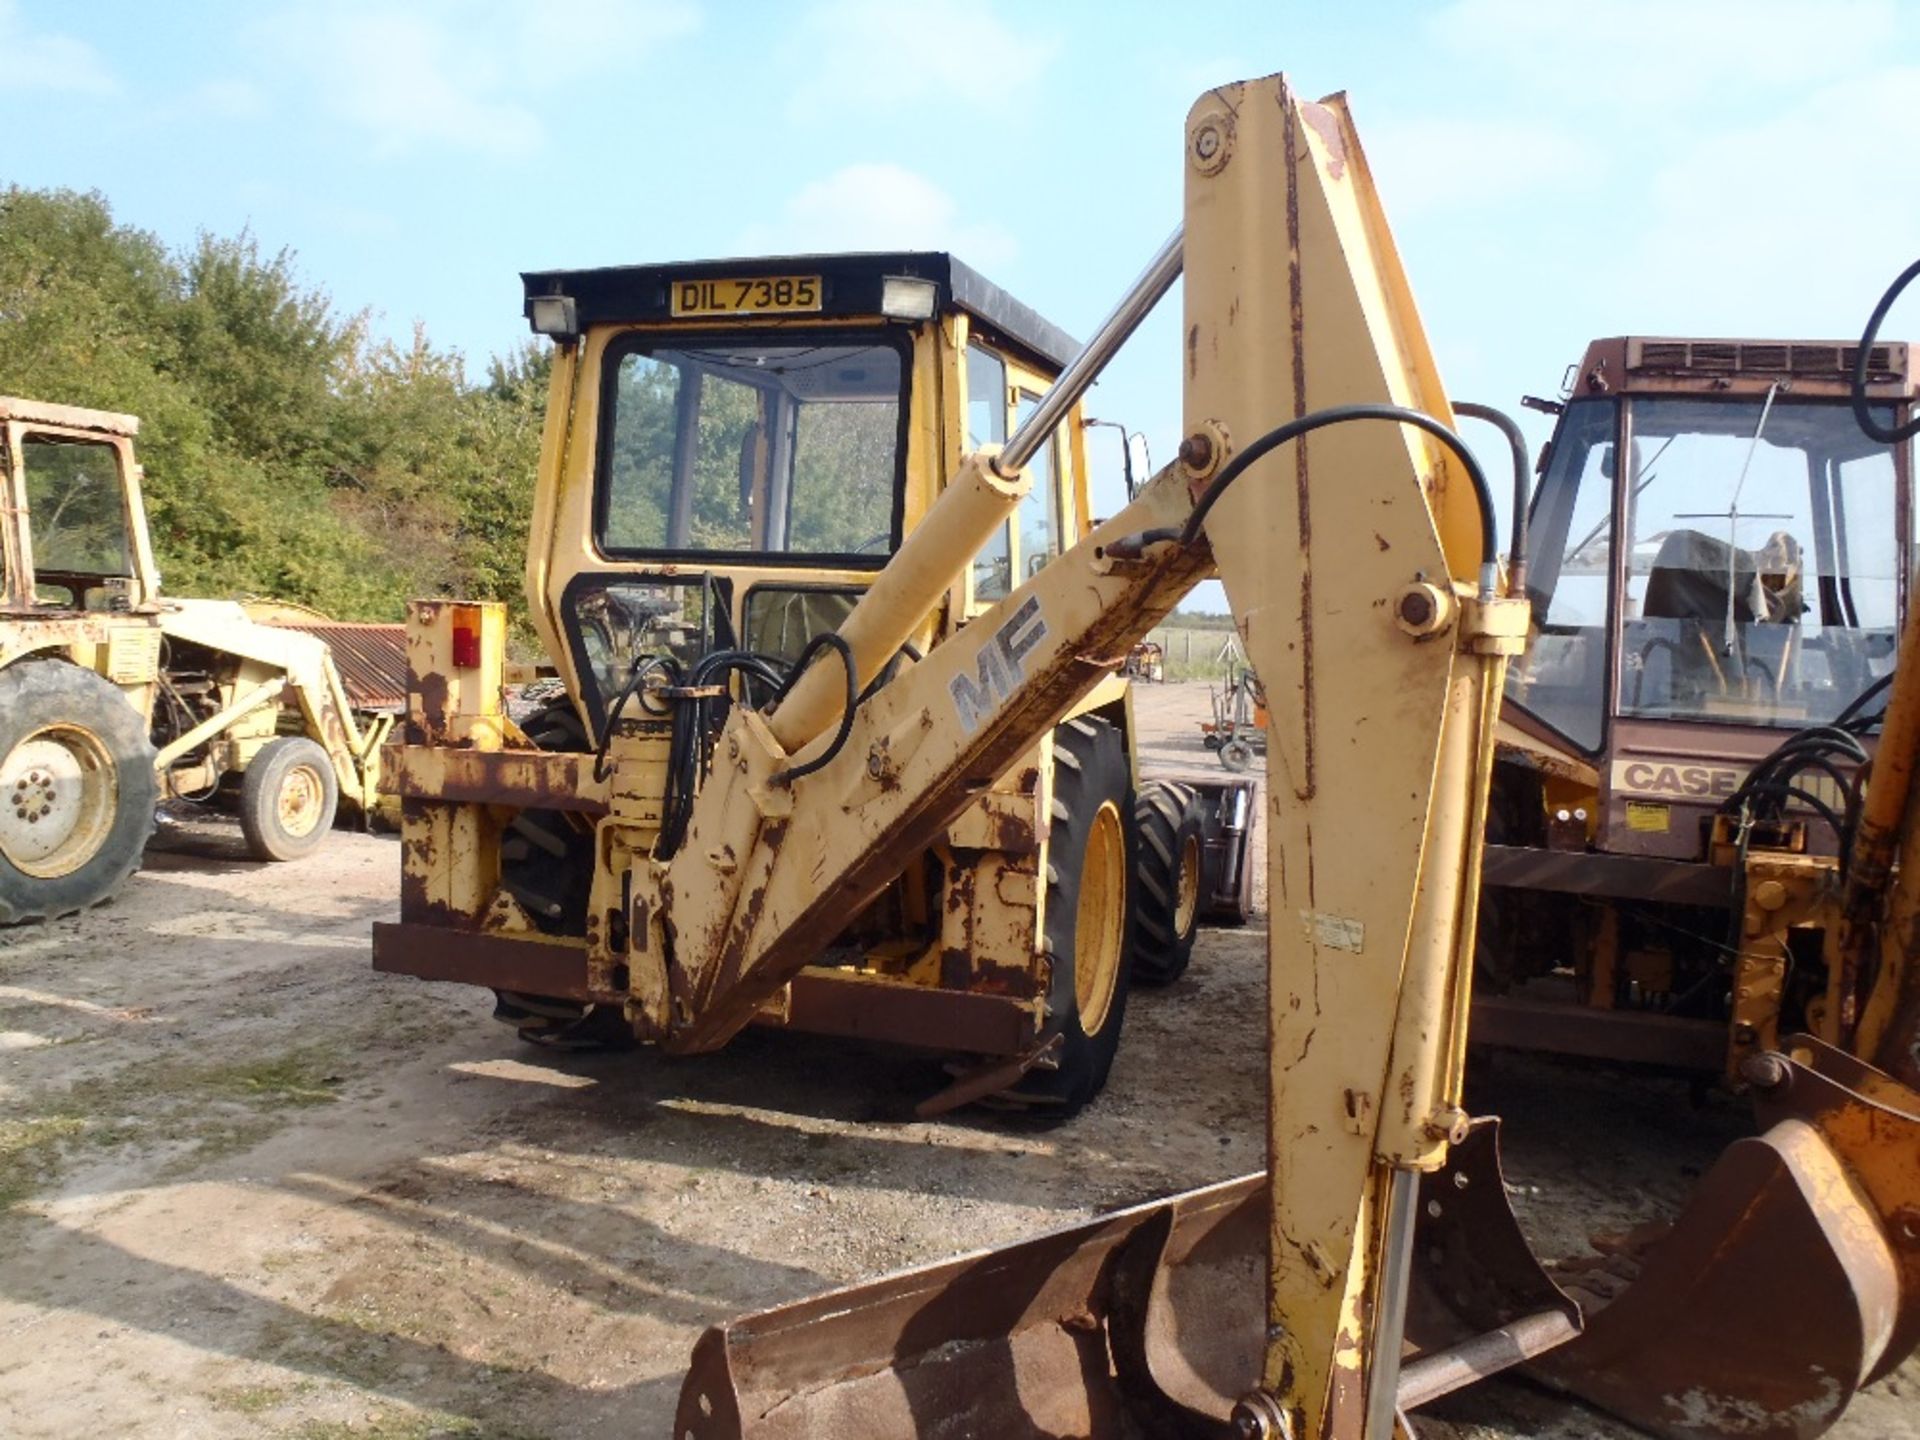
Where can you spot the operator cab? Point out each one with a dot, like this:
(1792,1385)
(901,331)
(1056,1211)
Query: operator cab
(1756,540)
(72,535)
(767,431)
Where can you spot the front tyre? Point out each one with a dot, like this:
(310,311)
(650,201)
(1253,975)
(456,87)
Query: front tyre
(1087,930)
(1166,907)
(77,790)
(288,798)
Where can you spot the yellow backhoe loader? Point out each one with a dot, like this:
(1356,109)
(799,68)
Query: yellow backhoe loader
(114,698)
(730,822)
(735,454)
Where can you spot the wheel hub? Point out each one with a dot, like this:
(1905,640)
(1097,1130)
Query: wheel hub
(302,798)
(1101,919)
(58,792)
(1187,894)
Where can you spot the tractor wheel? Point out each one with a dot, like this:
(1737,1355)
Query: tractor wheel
(1166,906)
(1090,864)
(288,798)
(1237,755)
(546,863)
(546,856)
(77,790)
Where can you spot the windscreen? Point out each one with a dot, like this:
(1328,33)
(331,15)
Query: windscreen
(1757,559)
(746,447)
(1762,561)
(75,507)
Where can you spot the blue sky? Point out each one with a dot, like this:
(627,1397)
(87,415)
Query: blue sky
(1553,172)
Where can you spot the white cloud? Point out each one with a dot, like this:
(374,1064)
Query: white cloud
(1679,55)
(880,54)
(878,207)
(1432,164)
(464,76)
(41,60)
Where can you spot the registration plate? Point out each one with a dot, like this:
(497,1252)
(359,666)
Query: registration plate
(762,295)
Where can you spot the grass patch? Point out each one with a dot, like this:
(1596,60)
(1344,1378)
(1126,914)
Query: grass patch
(256,1399)
(30,1153)
(292,1080)
(414,1425)
(210,1110)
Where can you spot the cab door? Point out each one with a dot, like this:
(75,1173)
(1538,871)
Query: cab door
(1000,393)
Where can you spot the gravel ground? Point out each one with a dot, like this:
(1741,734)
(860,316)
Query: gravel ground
(256,1189)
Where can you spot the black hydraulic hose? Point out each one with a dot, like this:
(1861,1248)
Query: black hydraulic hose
(1340,415)
(1859,702)
(1522,487)
(1862,412)
(825,640)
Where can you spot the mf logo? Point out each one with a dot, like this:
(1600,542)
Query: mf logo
(1002,666)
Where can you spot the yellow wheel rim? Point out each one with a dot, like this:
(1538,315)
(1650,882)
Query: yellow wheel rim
(1187,887)
(1101,922)
(59,792)
(302,799)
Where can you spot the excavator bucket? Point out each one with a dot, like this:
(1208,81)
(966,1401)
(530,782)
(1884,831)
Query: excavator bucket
(1791,1280)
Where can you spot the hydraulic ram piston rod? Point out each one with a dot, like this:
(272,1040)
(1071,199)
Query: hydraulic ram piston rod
(1075,380)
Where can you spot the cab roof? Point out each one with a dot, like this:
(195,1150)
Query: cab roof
(1685,364)
(850,285)
(67,417)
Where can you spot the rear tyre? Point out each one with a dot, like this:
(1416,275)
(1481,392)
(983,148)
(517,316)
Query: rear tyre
(546,864)
(546,856)
(77,790)
(1166,905)
(1090,864)
(288,798)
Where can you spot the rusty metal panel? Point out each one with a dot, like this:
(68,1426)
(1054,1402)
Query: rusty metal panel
(537,965)
(371,659)
(524,779)
(1627,877)
(826,1002)
(1640,1038)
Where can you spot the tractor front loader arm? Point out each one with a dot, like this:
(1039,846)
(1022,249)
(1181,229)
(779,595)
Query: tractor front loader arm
(1320,480)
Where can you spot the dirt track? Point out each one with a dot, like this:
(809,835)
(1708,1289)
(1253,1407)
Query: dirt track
(257,1190)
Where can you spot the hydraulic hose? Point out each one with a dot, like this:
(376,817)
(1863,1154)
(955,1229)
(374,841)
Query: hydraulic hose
(1862,412)
(1522,489)
(1340,415)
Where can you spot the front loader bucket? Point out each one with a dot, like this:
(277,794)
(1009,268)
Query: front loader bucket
(1792,1279)
(1010,1342)
(1145,1322)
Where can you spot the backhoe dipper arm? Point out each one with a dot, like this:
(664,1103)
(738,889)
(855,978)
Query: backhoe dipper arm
(1357,563)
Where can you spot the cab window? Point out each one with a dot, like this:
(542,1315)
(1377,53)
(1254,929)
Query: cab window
(1562,678)
(1039,530)
(987,425)
(747,447)
(76,510)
